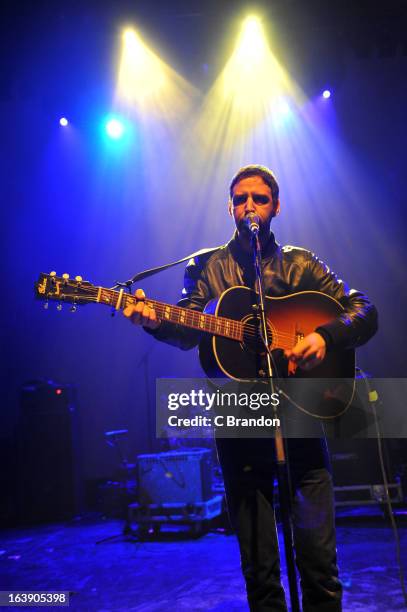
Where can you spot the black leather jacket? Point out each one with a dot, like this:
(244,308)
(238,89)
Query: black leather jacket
(286,270)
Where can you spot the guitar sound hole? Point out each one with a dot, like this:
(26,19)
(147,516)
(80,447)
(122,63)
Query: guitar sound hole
(252,340)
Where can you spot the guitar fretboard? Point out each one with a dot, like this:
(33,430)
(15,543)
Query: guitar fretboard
(217,326)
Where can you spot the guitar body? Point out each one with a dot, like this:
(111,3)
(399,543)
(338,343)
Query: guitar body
(289,319)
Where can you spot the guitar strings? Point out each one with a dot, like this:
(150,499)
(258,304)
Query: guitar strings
(242,329)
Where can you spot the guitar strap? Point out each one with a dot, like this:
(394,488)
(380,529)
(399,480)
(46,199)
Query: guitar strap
(146,273)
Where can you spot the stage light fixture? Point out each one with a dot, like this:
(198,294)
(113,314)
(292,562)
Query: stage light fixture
(63,121)
(115,128)
(326,94)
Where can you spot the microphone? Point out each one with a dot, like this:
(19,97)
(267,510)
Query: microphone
(252,223)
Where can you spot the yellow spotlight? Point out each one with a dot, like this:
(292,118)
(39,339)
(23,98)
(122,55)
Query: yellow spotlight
(146,83)
(252,45)
(252,78)
(141,73)
(252,102)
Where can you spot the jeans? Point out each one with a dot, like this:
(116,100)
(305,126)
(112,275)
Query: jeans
(248,467)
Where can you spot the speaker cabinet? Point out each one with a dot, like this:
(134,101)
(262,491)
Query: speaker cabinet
(48,482)
(356,462)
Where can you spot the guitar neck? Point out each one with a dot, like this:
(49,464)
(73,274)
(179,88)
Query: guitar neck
(211,324)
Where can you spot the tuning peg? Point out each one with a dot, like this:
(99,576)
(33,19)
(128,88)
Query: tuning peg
(53,273)
(46,305)
(79,279)
(73,308)
(65,276)
(59,307)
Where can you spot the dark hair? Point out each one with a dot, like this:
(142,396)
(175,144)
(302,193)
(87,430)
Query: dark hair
(255,170)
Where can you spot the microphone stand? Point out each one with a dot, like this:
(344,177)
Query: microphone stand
(281,458)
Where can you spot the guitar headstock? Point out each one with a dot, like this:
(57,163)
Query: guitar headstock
(63,289)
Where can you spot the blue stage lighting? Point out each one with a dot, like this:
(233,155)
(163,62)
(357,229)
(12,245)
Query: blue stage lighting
(115,128)
(326,94)
(63,121)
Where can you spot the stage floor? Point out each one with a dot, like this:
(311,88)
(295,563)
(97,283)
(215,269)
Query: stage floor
(185,575)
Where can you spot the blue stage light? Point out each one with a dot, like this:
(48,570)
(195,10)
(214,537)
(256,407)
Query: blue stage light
(115,128)
(63,121)
(326,94)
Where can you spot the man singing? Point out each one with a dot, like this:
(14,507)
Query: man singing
(248,465)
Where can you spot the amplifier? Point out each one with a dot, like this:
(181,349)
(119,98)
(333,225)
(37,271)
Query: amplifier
(175,477)
(48,466)
(356,462)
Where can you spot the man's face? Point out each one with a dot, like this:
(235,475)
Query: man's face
(253,195)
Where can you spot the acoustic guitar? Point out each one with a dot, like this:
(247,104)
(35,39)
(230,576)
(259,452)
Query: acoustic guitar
(231,344)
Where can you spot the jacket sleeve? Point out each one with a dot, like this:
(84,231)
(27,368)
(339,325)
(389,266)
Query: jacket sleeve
(357,323)
(195,295)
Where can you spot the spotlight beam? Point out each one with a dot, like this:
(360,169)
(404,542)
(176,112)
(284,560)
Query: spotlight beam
(147,85)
